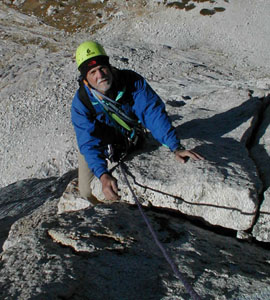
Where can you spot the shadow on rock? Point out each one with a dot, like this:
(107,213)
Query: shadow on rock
(23,197)
(106,252)
(224,152)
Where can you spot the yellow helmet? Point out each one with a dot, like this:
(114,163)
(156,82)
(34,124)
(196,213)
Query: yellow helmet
(88,50)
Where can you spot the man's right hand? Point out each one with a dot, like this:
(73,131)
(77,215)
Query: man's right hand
(109,187)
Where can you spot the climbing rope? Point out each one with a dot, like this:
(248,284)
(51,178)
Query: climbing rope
(191,291)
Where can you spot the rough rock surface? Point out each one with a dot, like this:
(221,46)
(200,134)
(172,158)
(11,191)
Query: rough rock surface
(213,103)
(107,252)
(213,74)
(23,197)
(222,189)
(261,155)
(71,199)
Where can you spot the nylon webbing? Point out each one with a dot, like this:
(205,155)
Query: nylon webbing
(187,286)
(113,107)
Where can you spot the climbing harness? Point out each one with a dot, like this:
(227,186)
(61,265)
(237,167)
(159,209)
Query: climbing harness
(191,291)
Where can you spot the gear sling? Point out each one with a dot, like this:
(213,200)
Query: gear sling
(129,128)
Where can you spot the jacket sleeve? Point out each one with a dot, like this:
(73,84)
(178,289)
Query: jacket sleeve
(150,110)
(89,145)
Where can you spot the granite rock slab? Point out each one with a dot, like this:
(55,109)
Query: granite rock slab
(106,251)
(224,188)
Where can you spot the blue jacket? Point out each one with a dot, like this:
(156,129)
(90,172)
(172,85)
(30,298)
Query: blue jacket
(139,100)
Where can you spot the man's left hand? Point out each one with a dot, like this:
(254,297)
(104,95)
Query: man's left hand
(183,155)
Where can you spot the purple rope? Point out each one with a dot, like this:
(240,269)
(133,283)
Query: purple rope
(188,287)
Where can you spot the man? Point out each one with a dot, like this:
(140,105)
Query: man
(108,113)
